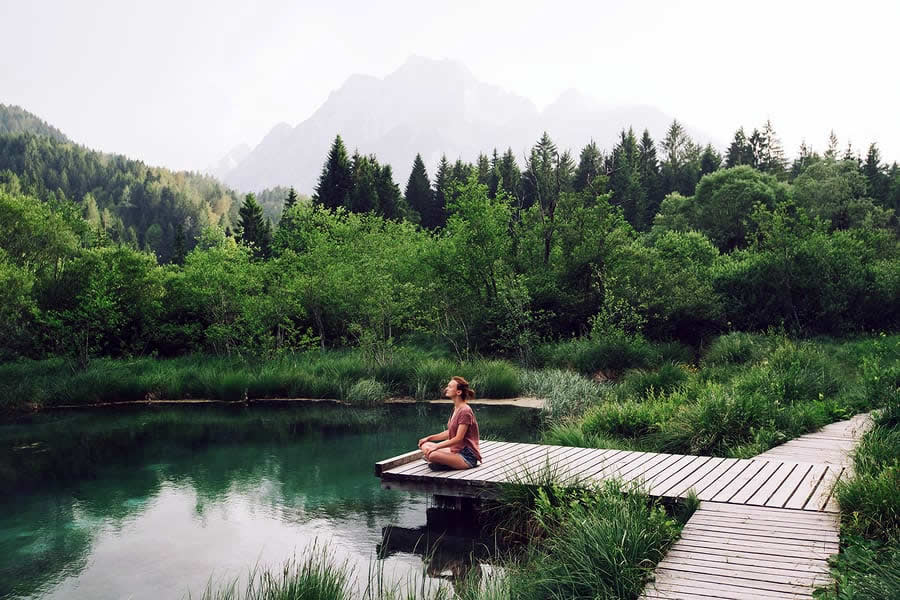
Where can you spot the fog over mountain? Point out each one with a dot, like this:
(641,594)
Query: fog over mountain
(432,107)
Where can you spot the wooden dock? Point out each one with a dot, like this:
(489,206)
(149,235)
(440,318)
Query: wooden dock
(771,482)
(765,528)
(743,552)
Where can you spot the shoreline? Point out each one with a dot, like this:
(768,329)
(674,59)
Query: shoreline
(522,401)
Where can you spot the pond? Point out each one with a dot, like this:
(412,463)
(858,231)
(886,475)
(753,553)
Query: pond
(152,503)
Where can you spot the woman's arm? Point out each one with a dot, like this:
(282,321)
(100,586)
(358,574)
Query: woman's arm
(460,435)
(437,437)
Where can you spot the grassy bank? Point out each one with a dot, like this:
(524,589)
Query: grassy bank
(345,375)
(586,544)
(868,565)
(744,395)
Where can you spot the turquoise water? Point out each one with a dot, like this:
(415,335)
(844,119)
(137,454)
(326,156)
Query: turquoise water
(153,503)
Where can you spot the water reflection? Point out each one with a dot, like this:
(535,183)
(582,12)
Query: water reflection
(150,505)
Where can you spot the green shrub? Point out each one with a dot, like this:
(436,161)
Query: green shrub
(628,419)
(736,348)
(367,392)
(493,378)
(566,394)
(639,383)
(712,418)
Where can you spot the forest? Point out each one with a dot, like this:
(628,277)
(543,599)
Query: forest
(103,256)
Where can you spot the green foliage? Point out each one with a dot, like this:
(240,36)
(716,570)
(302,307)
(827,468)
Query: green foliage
(736,348)
(315,576)
(566,394)
(255,230)
(367,392)
(336,180)
(419,196)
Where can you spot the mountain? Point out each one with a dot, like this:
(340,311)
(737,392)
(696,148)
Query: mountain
(228,162)
(431,107)
(15,120)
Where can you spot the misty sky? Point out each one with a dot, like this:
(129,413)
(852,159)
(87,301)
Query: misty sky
(179,83)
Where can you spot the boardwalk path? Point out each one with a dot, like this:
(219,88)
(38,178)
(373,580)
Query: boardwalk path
(743,552)
(765,528)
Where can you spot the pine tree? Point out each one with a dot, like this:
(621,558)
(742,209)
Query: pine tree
(389,196)
(590,167)
(805,157)
(179,251)
(510,176)
(754,149)
(738,150)
(650,183)
(419,195)
(291,199)
(494,177)
(831,151)
(681,161)
(363,194)
(625,178)
(484,169)
(255,231)
(336,180)
(772,159)
(876,175)
(441,181)
(710,160)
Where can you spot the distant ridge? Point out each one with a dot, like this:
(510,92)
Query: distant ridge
(16,120)
(432,107)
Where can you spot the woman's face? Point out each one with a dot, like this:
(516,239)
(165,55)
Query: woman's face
(450,391)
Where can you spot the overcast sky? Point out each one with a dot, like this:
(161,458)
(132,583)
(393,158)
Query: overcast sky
(179,83)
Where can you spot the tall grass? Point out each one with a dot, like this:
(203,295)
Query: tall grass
(316,374)
(869,563)
(566,394)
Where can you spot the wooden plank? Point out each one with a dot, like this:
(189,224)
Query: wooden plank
(611,469)
(762,541)
(640,475)
(743,509)
(739,482)
(773,521)
(721,544)
(389,463)
(650,460)
(737,469)
(509,460)
(660,486)
(771,469)
(807,486)
(722,591)
(779,497)
(741,560)
(706,471)
(768,530)
(532,467)
(586,471)
(573,470)
(822,493)
(668,574)
(769,488)
(753,572)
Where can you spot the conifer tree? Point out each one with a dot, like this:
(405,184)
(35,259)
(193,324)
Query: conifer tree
(510,176)
(179,251)
(772,159)
(419,195)
(291,199)
(590,166)
(649,177)
(483,169)
(255,231)
(876,175)
(494,176)
(832,149)
(441,181)
(364,193)
(710,160)
(625,177)
(336,180)
(738,150)
(389,197)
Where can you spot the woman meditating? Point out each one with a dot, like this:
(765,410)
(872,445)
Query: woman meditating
(457,447)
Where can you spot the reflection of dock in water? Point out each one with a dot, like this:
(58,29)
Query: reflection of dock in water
(450,549)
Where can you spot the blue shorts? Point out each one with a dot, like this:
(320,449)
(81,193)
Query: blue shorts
(468,455)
